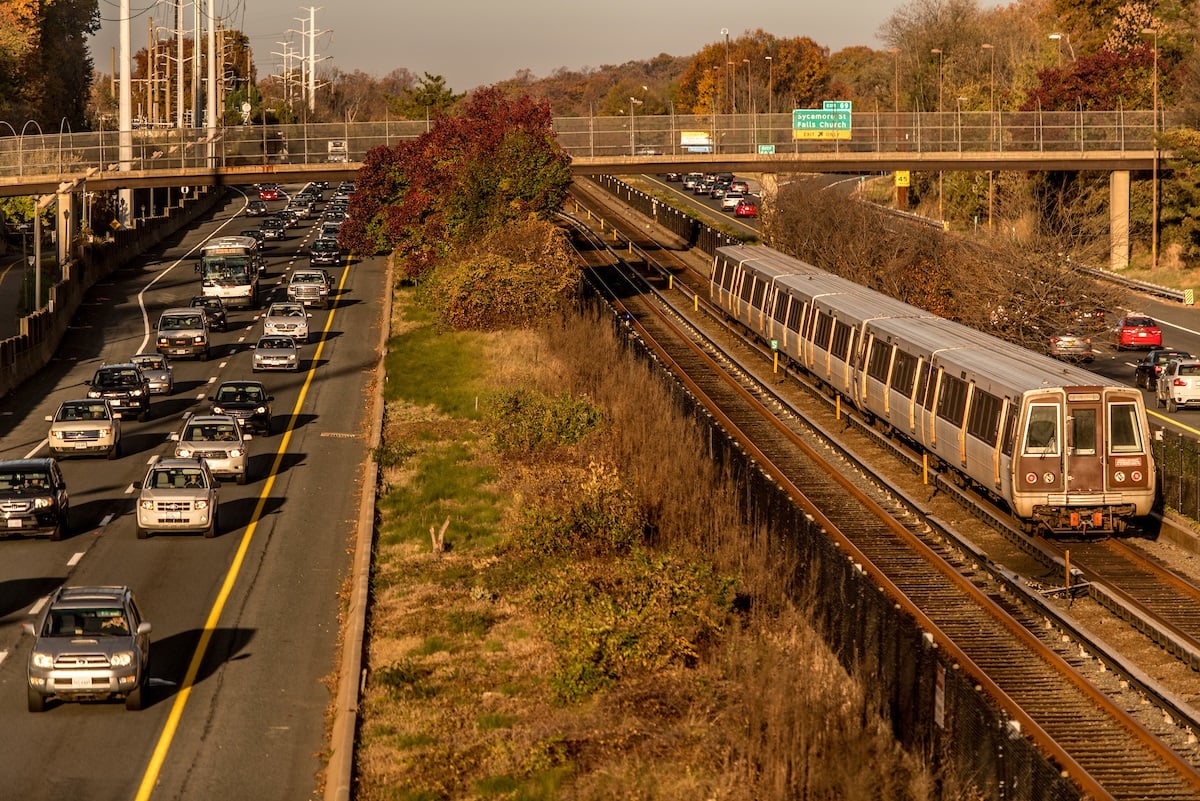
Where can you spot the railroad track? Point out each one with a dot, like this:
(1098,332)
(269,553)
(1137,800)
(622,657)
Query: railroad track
(946,586)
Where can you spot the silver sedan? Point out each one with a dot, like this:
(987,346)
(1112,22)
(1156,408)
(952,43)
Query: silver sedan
(276,353)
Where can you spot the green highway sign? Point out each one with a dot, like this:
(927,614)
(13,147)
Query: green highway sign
(831,121)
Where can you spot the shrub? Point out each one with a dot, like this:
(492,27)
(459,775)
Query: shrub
(599,516)
(527,420)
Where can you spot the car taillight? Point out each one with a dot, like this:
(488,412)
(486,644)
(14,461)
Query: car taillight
(1179,382)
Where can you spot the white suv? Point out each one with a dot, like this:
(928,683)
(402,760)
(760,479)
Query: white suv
(217,439)
(1179,384)
(177,495)
(286,319)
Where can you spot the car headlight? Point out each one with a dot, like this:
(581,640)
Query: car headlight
(197,340)
(218,410)
(183,453)
(121,659)
(202,504)
(41,660)
(236,453)
(147,503)
(106,432)
(260,409)
(163,341)
(291,357)
(93,393)
(43,503)
(56,434)
(137,393)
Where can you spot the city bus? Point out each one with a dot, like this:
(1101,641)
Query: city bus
(229,269)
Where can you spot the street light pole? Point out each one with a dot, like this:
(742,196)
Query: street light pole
(770,86)
(1154,175)
(632,102)
(895,51)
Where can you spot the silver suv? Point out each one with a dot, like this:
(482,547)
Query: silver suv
(92,643)
(81,427)
(218,440)
(310,287)
(177,495)
(286,319)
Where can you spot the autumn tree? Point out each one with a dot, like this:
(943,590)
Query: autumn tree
(428,98)
(45,67)
(739,75)
(494,162)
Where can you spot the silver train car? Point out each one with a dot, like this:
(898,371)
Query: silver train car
(1063,448)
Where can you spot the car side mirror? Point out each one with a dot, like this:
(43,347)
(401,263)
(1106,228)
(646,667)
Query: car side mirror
(49,418)
(116,415)
(270,397)
(174,437)
(137,485)
(144,627)
(247,437)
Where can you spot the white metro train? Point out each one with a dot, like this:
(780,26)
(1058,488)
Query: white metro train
(1062,447)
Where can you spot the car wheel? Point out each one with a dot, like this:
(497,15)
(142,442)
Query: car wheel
(142,533)
(211,531)
(115,451)
(37,701)
(1172,406)
(1158,401)
(61,529)
(143,415)
(134,701)
(241,478)
(204,355)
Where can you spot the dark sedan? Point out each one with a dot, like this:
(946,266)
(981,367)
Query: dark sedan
(248,402)
(214,310)
(1146,372)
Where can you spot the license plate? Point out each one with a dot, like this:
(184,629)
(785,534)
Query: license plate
(180,351)
(171,519)
(81,681)
(80,446)
(14,523)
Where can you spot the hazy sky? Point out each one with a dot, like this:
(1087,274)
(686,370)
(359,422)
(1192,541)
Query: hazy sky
(476,42)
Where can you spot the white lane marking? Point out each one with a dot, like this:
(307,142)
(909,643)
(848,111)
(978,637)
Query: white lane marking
(201,395)
(37,448)
(129,489)
(211,380)
(242,338)
(153,459)
(74,560)
(37,608)
(221,366)
(3,656)
(106,520)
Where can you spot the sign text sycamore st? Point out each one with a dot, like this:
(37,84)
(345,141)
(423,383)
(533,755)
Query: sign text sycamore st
(831,121)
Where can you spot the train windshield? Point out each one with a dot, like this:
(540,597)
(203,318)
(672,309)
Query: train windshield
(1041,432)
(1124,433)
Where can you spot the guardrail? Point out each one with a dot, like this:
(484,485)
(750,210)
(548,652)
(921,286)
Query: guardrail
(651,137)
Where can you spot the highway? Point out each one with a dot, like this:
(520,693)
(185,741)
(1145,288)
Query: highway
(246,625)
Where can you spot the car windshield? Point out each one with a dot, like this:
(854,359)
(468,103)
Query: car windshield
(286,311)
(101,622)
(239,394)
(1140,322)
(81,410)
(180,322)
(210,432)
(277,343)
(115,378)
(31,480)
(307,278)
(177,478)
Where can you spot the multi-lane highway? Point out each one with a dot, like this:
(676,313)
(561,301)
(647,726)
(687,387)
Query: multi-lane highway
(244,625)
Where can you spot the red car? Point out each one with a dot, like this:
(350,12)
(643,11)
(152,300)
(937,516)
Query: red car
(1138,331)
(268,193)
(746,208)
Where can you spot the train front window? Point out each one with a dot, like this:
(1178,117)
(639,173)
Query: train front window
(1041,430)
(1124,433)
(1083,432)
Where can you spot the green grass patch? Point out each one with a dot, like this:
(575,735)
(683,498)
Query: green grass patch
(448,483)
(428,367)
(471,623)
(492,720)
(405,678)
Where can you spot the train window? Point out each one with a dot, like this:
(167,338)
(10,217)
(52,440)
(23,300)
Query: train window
(841,340)
(824,328)
(1083,432)
(1041,429)
(881,357)
(925,386)
(756,294)
(781,305)
(952,400)
(727,278)
(1124,433)
(1010,431)
(748,286)
(794,313)
(904,372)
(984,420)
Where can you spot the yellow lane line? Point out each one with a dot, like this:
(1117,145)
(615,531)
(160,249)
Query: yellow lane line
(150,777)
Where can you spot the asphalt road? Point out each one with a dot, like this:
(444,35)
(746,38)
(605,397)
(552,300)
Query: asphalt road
(245,625)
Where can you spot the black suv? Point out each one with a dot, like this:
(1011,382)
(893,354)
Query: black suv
(248,402)
(1147,371)
(324,251)
(214,310)
(257,208)
(33,498)
(125,388)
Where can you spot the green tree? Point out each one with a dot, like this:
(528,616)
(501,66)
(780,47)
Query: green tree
(426,100)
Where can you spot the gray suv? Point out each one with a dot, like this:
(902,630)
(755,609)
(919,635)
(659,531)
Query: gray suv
(91,643)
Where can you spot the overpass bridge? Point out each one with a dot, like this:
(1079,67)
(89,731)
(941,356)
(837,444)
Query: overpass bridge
(1117,142)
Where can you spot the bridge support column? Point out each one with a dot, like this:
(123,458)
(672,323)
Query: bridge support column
(769,191)
(66,219)
(1118,220)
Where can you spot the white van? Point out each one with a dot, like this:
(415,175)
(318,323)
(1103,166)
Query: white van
(183,332)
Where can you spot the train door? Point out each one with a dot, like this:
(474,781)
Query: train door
(1040,458)
(1085,437)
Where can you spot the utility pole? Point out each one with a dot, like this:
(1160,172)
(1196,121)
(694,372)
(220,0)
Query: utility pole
(124,120)
(308,55)
(179,64)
